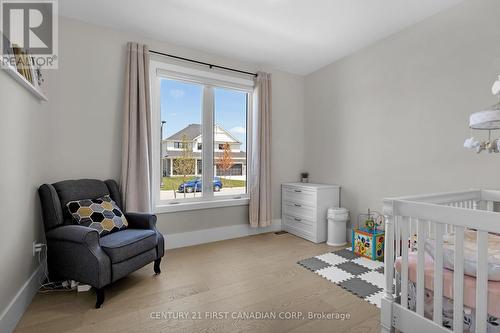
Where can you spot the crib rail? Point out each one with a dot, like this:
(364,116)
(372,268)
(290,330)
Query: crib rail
(410,221)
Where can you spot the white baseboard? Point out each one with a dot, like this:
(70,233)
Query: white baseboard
(196,237)
(16,308)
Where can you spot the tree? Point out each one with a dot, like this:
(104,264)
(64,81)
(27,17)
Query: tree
(185,164)
(225,162)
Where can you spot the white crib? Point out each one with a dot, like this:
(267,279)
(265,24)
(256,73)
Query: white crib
(435,214)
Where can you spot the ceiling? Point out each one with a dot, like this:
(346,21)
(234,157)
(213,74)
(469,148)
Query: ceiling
(297,36)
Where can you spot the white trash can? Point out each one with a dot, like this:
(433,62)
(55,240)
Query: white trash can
(337,220)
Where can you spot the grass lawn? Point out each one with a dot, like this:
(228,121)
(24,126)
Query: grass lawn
(172,183)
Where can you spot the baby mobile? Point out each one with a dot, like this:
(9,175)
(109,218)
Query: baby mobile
(486,120)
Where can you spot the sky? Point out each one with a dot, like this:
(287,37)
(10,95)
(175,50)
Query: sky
(181,105)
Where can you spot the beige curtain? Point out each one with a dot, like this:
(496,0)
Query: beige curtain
(260,210)
(136,151)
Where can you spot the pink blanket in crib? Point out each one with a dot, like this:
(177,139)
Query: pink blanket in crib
(469,283)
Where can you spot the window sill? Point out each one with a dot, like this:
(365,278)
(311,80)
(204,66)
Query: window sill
(196,205)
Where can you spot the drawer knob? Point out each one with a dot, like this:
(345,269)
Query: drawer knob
(297,219)
(297,205)
(298,191)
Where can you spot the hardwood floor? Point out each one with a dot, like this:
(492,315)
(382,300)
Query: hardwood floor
(252,275)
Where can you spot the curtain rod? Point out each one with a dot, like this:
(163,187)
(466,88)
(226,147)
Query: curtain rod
(202,63)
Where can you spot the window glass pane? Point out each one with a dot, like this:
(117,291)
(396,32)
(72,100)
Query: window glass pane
(230,142)
(181,114)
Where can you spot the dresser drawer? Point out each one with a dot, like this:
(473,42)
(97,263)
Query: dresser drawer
(299,223)
(298,228)
(298,210)
(299,195)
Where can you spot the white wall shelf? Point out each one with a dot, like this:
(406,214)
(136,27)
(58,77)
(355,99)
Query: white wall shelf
(25,83)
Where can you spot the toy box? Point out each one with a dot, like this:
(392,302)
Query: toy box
(368,243)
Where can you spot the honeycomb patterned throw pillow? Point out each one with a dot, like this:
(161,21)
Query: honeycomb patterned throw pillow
(100,214)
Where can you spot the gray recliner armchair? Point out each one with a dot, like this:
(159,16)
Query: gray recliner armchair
(76,252)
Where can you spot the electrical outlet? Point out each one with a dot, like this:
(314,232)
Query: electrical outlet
(37,247)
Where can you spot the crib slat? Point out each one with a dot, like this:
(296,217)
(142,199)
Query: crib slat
(458,281)
(389,258)
(398,235)
(421,236)
(430,231)
(397,238)
(482,281)
(410,230)
(438,273)
(415,233)
(404,263)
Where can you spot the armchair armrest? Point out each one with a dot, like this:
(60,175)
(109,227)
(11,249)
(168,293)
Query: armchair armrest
(141,220)
(74,233)
(147,221)
(74,253)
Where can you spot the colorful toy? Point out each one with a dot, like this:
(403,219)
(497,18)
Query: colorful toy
(368,241)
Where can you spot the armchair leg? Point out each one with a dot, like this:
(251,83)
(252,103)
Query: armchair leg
(157,266)
(99,297)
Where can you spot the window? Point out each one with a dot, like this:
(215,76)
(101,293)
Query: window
(180,144)
(193,107)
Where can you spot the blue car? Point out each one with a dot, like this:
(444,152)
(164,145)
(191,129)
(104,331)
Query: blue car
(194,184)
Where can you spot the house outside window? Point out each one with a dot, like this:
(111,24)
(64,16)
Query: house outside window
(192,133)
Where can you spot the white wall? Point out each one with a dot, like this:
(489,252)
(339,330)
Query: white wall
(24,151)
(85,102)
(391,119)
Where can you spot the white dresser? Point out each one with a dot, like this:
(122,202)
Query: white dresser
(304,209)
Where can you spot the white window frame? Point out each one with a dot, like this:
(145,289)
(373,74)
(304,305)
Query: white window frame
(209,80)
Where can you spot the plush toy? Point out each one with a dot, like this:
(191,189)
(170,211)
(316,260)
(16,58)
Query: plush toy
(492,146)
(471,143)
(481,147)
